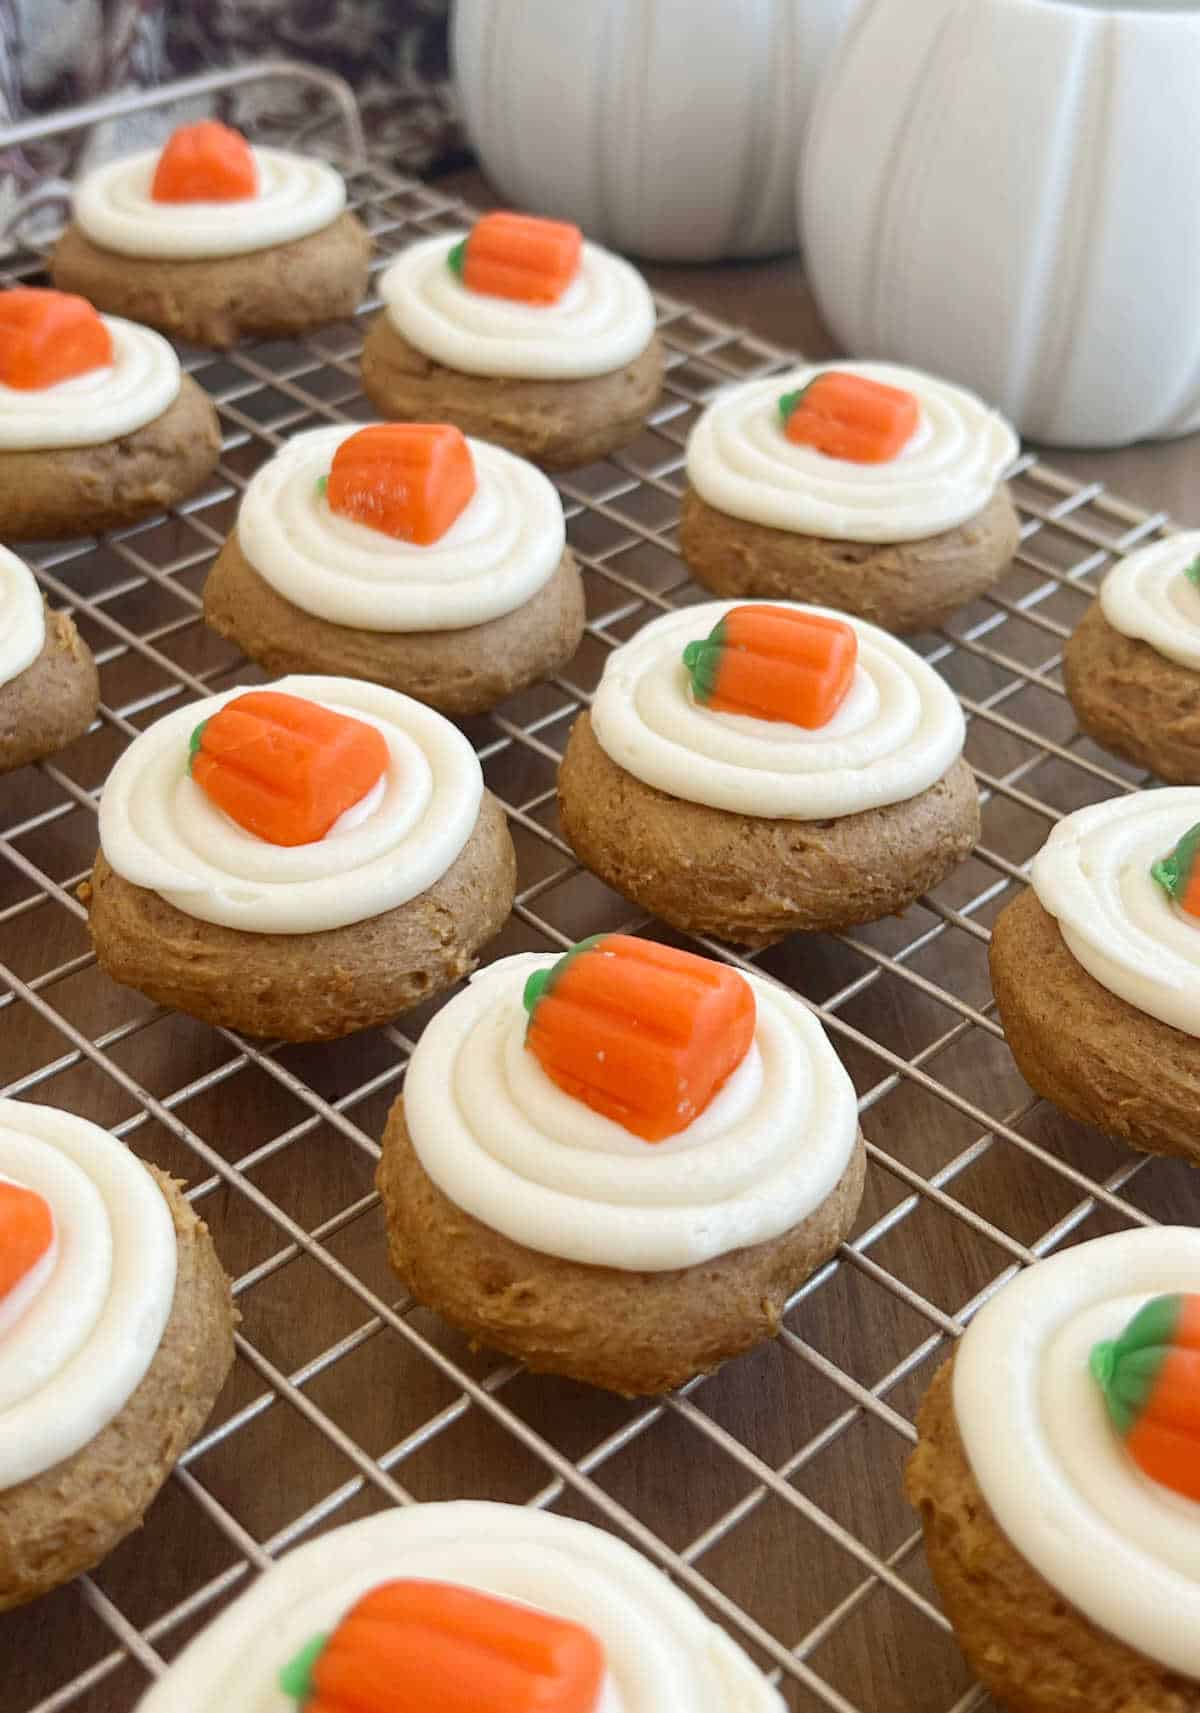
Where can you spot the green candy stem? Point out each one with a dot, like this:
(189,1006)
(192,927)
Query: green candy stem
(296,1678)
(1173,873)
(456,261)
(703,661)
(322,485)
(194,742)
(1127,1368)
(542,982)
(791,402)
(1192,571)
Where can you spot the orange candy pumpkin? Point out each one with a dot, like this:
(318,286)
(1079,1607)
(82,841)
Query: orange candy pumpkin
(642,1033)
(205,162)
(519,256)
(774,663)
(434,1647)
(848,416)
(1150,1378)
(26,1233)
(283,768)
(409,480)
(49,336)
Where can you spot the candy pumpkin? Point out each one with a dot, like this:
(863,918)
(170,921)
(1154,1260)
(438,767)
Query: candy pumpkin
(1179,873)
(26,1233)
(205,162)
(49,336)
(774,663)
(519,256)
(409,480)
(1150,1378)
(848,416)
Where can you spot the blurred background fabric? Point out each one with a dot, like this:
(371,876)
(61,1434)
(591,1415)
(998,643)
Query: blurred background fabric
(394,52)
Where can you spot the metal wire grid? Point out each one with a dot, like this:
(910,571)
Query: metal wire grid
(788,1524)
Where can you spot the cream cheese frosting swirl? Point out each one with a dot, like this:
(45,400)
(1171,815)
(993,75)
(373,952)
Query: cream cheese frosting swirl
(297,195)
(1150,597)
(81,1344)
(661,1651)
(898,730)
(740,460)
(1093,875)
(160,831)
(22,617)
(500,550)
(603,320)
(1123,1550)
(140,383)
(507,1145)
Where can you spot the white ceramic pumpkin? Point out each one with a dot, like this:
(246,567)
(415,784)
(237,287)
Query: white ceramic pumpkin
(1007,192)
(666,127)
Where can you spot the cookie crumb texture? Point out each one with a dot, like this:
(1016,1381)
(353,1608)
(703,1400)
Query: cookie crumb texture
(754,881)
(67,1519)
(215,301)
(1133,700)
(81,490)
(455,671)
(629,1332)
(556,424)
(1032,1649)
(309,987)
(1112,1066)
(53,701)
(902,586)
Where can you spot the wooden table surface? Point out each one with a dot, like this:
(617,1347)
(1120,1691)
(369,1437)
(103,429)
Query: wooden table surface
(779,1480)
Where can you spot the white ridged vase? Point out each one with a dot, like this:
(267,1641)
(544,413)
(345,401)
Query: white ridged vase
(669,128)
(1007,192)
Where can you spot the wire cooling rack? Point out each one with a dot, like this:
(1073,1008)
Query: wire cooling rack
(770,1491)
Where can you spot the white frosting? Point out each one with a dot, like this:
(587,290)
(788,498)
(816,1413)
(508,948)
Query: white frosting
(501,549)
(662,1652)
(78,1351)
(22,617)
(603,320)
(159,830)
(1093,875)
(1148,596)
(297,194)
(141,382)
(898,730)
(508,1145)
(1120,1547)
(740,460)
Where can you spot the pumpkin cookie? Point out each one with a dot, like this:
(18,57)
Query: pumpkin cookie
(99,426)
(406,555)
(210,239)
(299,861)
(520,333)
(1132,668)
(628,1206)
(49,686)
(116,1334)
(868,487)
(1057,1474)
(1109,936)
(466,1606)
(753,771)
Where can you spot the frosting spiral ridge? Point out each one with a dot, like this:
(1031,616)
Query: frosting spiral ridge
(661,1650)
(898,730)
(75,1355)
(1093,875)
(160,831)
(499,552)
(740,460)
(603,320)
(1148,596)
(22,617)
(1056,1476)
(297,194)
(140,383)
(509,1146)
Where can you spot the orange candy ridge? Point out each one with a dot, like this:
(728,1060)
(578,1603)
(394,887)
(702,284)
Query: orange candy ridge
(205,162)
(49,336)
(283,768)
(409,480)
